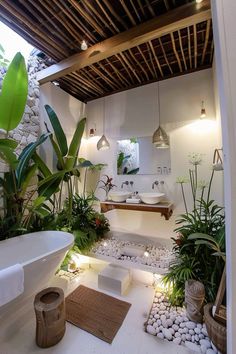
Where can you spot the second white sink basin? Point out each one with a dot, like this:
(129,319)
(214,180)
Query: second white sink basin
(119,196)
(151,198)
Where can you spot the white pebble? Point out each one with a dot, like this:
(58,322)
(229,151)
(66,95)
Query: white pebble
(188,337)
(203,349)
(201,336)
(196,330)
(191,331)
(177,341)
(172,331)
(156,316)
(163,318)
(206,343)
(193,339)
(204,331)
(183,337)
(193,346)
(151,330)
(167,333)
(196,338)
(177,335)
(175,327)
(181,330)
(210,351)
(185,330)
(190,325)
(169,322)
(160,335)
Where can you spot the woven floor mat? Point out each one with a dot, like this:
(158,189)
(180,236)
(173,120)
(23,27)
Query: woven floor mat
(95,312)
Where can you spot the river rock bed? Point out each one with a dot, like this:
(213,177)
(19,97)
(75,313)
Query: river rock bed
(158,257)
(171,323)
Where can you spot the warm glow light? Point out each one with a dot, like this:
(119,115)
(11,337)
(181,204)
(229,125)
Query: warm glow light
(198,1)
(84,45)
(203,126)
(76,259)
(146,254)
(105,244)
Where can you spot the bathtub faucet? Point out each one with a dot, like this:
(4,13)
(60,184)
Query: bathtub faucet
(126,183)
(155,184)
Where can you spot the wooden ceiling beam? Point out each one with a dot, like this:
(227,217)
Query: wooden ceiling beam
(169,22)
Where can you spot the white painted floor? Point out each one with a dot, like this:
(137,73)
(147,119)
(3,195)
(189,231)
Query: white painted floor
(131,338)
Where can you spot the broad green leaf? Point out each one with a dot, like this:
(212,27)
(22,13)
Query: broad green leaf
(57,151)
(14,94)
(30,173)
(59,133)
(198,236)
(9,143)
(43,168)
(25,157)
(50,187)
(38,201)
(8,156)
(75,144)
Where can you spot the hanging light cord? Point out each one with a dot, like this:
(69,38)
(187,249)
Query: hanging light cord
(104,110)
(158,100)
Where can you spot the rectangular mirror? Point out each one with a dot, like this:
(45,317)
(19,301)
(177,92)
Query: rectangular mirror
(138,156)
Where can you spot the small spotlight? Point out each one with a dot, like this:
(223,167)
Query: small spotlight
(84,45)
(56,83)
(105,244)
(203,111)
(198,1)
(146,254)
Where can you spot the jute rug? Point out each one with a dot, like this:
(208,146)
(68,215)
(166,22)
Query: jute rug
(95,312)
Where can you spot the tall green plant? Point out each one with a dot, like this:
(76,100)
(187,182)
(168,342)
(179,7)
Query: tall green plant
(199,233)
(67,157)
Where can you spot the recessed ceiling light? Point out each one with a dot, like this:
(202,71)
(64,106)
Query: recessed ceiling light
(198,1)
(84,45)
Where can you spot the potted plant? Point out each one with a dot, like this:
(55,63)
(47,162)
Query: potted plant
(194,259)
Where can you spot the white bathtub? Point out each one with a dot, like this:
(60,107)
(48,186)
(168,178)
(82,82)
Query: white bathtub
(40,254)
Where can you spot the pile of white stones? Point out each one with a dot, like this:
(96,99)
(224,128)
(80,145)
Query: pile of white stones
(158,257)
(171,323)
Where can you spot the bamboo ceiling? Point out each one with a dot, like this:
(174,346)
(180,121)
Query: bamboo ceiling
(57,28)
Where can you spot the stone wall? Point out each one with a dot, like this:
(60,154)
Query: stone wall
(29,128)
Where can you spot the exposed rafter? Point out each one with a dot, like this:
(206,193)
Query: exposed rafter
(174,20)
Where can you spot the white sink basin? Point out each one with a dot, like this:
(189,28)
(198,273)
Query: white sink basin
(151,198)
(119,196)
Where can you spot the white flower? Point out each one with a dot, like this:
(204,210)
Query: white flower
(182,179)
(195,158)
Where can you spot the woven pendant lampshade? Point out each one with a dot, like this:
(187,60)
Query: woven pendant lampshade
(103,143)
(160,139)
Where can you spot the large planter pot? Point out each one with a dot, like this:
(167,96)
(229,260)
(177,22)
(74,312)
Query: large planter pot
(216,331)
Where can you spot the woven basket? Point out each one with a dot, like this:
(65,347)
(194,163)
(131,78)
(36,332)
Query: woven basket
(216,331)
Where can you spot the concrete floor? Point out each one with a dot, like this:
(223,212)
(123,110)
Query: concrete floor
(131,338)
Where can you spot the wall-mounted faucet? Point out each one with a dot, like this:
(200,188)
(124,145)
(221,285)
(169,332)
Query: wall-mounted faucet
(155,184)
(126,183)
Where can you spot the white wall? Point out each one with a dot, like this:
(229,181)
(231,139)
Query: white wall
(134,113)
(69,111)
(224,14)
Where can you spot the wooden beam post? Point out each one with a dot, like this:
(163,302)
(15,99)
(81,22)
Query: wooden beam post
(169,22)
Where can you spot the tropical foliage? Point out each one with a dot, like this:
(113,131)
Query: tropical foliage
(34,197)
(200,243)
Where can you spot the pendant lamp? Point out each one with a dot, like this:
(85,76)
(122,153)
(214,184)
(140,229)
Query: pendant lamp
(103,143)
(203,111)
(160,139)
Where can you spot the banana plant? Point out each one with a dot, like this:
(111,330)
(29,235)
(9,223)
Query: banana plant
(12,104)
(67,158)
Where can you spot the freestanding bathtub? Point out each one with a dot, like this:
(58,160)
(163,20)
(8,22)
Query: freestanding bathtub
(40,254)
